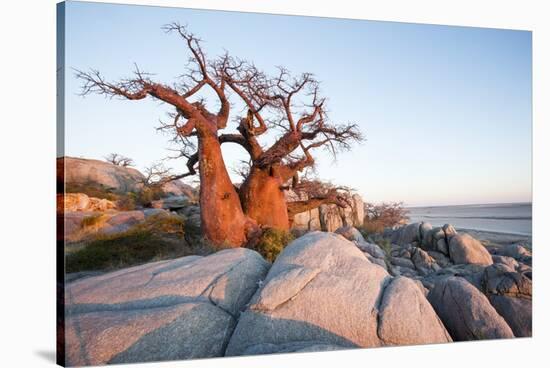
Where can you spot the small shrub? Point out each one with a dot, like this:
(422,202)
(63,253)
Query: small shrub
(383,215)
(92,190)
(163,224)
(385,244)
(127,202)
(372,227)
(272,242)
(149,194)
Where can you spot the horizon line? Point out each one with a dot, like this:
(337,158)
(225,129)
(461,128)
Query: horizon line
(469,204)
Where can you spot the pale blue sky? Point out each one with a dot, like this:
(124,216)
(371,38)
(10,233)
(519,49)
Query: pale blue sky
(446,110)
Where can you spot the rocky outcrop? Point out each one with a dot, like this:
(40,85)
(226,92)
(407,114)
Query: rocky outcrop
(402,299)
(323,293)
(119,179)
(510,293)
(100,173)
(518,313)
(178,188)
(104,223)
(179,309)
(508,261)
(71,202)
(192,214)
(372,249)
(171,203)
(516,251)
(358,210)
(352,234)
(476,294)
(406,234)
(328,217)
(499,279)
(423,262)
(466,312)
(402,262)
(465,249)
(459,248)
(307,221)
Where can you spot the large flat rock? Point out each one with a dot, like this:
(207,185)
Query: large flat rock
(323,293)
(179,309)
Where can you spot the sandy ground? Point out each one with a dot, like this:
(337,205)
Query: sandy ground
(489,238)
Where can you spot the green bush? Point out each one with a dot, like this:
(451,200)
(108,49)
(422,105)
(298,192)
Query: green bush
(159,237)
(385,244)
(272,242)
(117,251)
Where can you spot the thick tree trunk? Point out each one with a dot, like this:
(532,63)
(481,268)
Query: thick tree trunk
(263,199)
(223,221)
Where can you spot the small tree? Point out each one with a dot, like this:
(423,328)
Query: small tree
(119,160)
(380,216)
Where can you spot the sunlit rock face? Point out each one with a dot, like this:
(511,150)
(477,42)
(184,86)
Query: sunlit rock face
(120,179)
(178,309)
(465,249)
(100,173)
(79,202)
(322,292)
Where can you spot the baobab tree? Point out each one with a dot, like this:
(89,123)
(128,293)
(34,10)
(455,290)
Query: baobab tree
(289,107)
(119,160)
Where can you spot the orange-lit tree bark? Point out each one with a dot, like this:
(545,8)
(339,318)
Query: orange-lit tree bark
(272,168)
(222,219)
(232,216)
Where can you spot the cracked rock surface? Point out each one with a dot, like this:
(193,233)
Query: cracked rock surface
(323,293)
(466,312)
(178,309)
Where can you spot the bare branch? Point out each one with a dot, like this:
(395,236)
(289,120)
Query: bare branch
(318,193)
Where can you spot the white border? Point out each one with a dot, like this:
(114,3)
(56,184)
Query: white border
(28,181)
